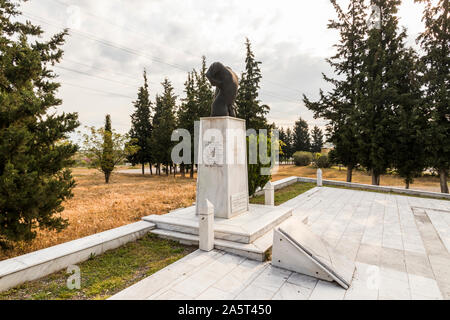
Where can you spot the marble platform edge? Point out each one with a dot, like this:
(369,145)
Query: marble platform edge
(255,251)
(170,222)
(38,264)
(291,180)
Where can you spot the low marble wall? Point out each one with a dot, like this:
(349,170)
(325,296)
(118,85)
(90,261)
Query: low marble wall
(291,180)
(40,263)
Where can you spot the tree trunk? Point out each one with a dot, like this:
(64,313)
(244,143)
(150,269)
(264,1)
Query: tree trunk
(192,171)
(167,170)
(182,169)
(443,180)
(151,169)
(143,169)
(407,184)
(375,178)
(107,176)
(349,173)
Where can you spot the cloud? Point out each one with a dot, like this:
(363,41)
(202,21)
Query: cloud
(116,39)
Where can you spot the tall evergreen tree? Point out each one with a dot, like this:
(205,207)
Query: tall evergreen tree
(107,160)
(204,92)
(317,140)
(341,106)
(290,150)
(301,137)
(380,90)
(435,42)
(164,123)
(34,151)
(410,121)
(247,103)
(141,127)
(188,113)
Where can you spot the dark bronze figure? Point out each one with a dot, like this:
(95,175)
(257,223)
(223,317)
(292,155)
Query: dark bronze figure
(226,83)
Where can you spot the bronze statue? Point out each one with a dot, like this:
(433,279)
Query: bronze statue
(226,83)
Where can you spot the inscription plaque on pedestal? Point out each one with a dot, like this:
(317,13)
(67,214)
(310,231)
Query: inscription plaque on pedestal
(239,202)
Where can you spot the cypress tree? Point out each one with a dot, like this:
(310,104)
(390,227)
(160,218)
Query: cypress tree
(34,150)
(317,140)
(435,42)
(164,123)
(247,103)
(290,150)
(341,106)
(141,127)
(410,121)
(188,113)
(380,91)
(107,160)
(301,137)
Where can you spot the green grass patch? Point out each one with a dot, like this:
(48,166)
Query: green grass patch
(287,193)
(107,274)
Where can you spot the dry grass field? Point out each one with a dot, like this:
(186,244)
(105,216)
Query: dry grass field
(426,183)
(97,207)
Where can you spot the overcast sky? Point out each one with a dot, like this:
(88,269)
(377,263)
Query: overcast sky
(112,41)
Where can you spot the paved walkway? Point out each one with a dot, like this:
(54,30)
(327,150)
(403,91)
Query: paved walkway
(400,245)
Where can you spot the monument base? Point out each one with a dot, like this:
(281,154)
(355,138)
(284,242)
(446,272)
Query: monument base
(222,166)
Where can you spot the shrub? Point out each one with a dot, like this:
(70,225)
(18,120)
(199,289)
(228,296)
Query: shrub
(323,162)
(303,159)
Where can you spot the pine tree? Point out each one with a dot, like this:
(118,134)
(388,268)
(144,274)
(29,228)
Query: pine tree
(410,121)
(290,150)
(341,106)
(107,160)
(317,140)
(380,91)
(164,123)
(302,139)
(435,42)
(141,127)
(34,150)
(188,114)
(247,103)
(283,138)
(204,92)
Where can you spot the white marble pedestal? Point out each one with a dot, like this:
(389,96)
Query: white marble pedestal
(222,169)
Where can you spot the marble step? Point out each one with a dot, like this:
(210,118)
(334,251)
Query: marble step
(255,251)
(245,228)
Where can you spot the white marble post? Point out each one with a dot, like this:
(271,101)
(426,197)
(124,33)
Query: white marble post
(269,194)
(319,178)
(222,166)
(206,225)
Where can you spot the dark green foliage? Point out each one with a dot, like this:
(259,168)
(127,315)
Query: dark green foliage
(340,106)
(301,138)
(34,150)
(248,106)
(164,123)
(255,178)
(107,161)
(303,158)
(141,127)
(410,121)
(435,42)
(317,140)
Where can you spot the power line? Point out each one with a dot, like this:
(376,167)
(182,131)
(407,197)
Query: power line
(140,34)
(92,37)
(132,51)
(97,90)
(94,76)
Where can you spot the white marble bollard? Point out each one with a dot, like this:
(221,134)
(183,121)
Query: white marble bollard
(269,194)
(206,226)
(319,178)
